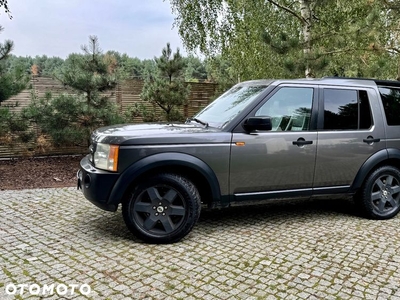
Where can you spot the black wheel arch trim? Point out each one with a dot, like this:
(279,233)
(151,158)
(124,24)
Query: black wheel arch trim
(369,165)
(162,160)
(393,153)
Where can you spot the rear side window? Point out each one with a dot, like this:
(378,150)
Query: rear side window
(346,110)
(391,103)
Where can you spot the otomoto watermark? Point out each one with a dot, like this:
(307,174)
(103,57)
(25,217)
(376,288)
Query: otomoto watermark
(47,289)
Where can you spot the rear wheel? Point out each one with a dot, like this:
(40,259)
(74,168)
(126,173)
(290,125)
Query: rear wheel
(163,209)
(380,194)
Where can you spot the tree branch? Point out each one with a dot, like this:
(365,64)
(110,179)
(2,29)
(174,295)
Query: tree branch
(287,9)
(338,51)
(389,49)
(351,49)
(391,5)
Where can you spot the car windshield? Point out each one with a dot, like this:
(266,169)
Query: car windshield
(229,104)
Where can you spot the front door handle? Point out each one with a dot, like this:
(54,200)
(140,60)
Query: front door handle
(301,142)
(370,140)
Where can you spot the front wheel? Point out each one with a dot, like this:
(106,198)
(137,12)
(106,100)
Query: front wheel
(380,195)
(163,209)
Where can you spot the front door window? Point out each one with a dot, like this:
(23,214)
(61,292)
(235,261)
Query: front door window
(289,109)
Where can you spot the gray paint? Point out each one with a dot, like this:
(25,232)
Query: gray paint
(268,162)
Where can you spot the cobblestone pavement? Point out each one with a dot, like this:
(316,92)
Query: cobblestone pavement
(296,250)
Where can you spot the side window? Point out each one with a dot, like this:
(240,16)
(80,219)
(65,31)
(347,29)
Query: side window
(289,109)
(346,110)
(391,104)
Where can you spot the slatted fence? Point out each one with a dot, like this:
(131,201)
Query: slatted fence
(125,94)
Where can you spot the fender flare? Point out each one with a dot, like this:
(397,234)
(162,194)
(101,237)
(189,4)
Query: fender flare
(393,153)
(162,160)
(368,165)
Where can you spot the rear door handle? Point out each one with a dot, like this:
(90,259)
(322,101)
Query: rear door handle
(370,140)
(301,142)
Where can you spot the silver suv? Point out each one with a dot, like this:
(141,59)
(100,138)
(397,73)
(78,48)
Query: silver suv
(261,140)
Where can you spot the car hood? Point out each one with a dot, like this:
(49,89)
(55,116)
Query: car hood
(159,133)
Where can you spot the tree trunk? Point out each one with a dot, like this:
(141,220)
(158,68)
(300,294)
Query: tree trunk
(88,96)
(398,67)
(306,8)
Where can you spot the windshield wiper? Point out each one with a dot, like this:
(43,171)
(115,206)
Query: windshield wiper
(198,121)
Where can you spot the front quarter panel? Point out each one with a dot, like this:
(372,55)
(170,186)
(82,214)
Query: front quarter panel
(212,161)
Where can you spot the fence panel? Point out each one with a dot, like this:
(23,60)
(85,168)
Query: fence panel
(125,94)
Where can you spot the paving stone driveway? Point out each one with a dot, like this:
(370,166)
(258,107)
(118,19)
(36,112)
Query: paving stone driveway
(298,250)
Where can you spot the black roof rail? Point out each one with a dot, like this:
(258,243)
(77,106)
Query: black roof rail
(388,82)
(352,78)
(377,81)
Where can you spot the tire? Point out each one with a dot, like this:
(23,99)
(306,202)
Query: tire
(163,209)
(380,193)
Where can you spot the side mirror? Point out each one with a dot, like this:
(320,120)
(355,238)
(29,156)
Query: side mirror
(257,123)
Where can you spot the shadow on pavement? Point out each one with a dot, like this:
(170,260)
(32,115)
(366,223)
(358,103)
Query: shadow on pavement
(112,224)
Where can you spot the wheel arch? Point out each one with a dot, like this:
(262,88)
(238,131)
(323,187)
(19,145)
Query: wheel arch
(389,156)
(196,170)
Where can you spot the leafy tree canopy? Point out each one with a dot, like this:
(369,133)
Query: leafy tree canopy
(279,38)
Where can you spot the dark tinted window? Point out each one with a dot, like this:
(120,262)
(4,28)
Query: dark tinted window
(391,104)
(365,119)
(346,110)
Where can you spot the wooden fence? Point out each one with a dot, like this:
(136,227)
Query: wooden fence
(125,94)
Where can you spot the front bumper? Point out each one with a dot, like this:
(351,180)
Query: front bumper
(96,184)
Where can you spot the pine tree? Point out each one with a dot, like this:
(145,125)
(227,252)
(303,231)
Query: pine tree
(167,88)
(91,73)
(69,119)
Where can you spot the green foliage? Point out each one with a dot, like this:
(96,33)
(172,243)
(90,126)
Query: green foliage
(167,88)
(221,72)
(68,120)
(140,110)
(90,73)
(134,67)
(279,38)
(170,64)
(12,82)
(12,62)
(47,66)
(13,128)
(232,30)
(195,69)
(6,47)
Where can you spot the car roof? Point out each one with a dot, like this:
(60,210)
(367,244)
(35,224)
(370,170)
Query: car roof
(344,81)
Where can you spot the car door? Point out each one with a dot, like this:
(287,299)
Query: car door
(349,132)
(277,163)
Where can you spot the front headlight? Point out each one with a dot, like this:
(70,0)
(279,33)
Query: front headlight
(106,157)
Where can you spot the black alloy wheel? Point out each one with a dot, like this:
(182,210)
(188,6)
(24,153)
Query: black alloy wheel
(381,193)
(163,209)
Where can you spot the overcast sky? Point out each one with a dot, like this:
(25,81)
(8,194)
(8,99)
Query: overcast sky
(140,28)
